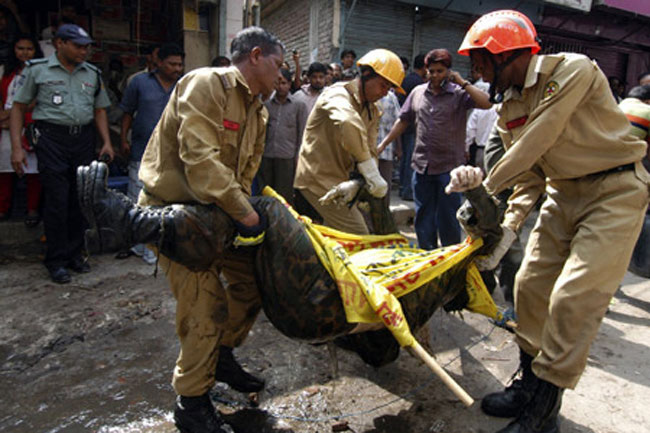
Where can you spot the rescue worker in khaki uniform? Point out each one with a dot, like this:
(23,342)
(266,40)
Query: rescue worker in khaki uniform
(206,149)
(565,136)
(341,136)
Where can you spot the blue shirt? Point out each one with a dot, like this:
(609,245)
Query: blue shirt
(145,99)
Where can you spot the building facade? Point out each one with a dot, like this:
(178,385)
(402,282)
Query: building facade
(613,32)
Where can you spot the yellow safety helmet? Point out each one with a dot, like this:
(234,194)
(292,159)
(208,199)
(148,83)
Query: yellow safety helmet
(386,64)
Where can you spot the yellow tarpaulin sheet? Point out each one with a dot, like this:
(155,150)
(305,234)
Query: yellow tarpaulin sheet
(372,271)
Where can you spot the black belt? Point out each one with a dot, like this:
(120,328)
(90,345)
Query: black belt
(618,169)
(72,130)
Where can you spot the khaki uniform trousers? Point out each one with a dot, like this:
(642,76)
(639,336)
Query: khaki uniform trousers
(576,257)
(342,218)
(209,314)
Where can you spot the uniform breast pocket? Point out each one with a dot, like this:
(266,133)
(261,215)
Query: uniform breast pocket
(53,95)
(87,93)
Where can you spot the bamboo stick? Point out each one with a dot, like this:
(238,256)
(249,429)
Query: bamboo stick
(443,375)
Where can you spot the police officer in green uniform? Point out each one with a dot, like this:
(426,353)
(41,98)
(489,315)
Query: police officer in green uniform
(68,95)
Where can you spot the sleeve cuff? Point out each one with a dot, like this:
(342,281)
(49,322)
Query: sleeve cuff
(237,208)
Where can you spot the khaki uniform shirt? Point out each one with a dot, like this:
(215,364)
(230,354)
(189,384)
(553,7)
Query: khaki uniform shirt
(208,143)
(339,133)
(62,97)
(564,124)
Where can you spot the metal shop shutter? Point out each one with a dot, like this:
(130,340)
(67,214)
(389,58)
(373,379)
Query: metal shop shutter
(380,24)
(612,59)
(446,31)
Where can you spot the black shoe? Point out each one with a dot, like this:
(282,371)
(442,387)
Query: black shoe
(79,265)
(59,275)
(230,372)
(510,402)
(540,414)
(197,415)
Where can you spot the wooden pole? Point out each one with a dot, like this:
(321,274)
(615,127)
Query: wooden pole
(443,375)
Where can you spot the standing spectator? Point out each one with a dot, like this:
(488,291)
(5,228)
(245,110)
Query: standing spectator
(283,137)
(637,110)
(617,87)
(69,94)
(478,129)
(217,62)
(336,72)
(644,78)
(348,68)
(329,77)
(341,137)
(438,109)
(144,100)
(405,151)
(389,107)
(564,135)
(405,63)
(151,63)
(309,93)
(477,79)
(207,148)
(67,15)
(25,48)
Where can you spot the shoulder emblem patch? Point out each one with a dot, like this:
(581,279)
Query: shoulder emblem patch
(551,89)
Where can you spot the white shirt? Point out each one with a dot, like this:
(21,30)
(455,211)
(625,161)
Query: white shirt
(479,125)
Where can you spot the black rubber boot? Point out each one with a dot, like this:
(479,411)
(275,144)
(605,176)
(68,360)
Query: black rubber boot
(197,415)
(192,235)
(510,402)
(540,414)
(230,372)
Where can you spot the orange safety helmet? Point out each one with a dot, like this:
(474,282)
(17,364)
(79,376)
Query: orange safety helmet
(499,31)
(386,64)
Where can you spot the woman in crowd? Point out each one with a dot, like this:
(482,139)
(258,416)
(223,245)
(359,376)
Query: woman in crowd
(24,48)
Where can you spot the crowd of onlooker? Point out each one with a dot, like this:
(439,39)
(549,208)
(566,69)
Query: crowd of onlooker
(424,133)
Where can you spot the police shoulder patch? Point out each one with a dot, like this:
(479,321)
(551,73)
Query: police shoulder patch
(228,80)
(551,89)
(93,68)
(35,61)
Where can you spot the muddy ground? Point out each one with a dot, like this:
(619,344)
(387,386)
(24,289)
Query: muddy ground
(96,356)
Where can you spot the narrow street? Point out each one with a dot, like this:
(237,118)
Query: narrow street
(96,356)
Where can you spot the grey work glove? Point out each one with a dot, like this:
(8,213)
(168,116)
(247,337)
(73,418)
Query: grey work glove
(464,178)
(341,194)
(489,262)
(376,184)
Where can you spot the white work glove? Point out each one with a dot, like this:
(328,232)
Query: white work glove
(377,186)
(341,194)
(464,178)
(491,261)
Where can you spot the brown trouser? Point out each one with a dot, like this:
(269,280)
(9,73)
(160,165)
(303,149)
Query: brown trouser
(342,218)
(576,257)
(209,314)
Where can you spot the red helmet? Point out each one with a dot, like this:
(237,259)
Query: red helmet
(500,31)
